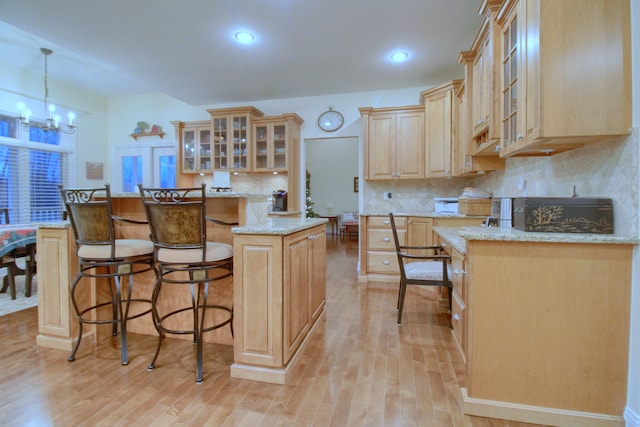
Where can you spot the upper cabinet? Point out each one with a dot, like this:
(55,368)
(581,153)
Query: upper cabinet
(195,146)
(482,75)
(440,116)
(232,137)
(274,139)
(565,74)
(393,141)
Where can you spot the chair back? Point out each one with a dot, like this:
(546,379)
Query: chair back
(396,240)
(90,213)
(176,217)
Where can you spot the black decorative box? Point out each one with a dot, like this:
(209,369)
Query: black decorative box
(563,214)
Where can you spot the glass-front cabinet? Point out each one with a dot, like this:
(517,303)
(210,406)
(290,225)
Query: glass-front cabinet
(273,138)
(195,146)
(270,152)
(232,138)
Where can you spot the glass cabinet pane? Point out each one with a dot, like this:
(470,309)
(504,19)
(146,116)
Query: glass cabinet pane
(261,147)
(188,150)
(279,147)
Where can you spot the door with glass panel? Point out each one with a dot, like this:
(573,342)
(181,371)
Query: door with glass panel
(147,165)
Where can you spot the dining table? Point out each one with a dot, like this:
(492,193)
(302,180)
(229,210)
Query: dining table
(17,240)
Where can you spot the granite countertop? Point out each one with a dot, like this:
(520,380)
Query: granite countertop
(209,194)
(425,215)
(280,226)
(458,236)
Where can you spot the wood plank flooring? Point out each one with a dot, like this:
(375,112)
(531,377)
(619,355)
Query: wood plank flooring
(358,368)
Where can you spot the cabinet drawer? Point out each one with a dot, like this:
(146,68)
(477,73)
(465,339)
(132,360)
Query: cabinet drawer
(383,239)
(385,222)
(458,274)
(382,262)
(458,321)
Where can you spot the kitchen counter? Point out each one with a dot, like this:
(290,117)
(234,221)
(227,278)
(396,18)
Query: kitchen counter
(542,320)
(281,226)
(424,215)
(458,236)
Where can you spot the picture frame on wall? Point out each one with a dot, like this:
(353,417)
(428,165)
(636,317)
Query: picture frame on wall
(356,185)
(94,170)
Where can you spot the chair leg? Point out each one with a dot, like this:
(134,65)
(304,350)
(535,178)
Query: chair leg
(156,320)
(9,281)
(72,356)
(450,292)
(403,289)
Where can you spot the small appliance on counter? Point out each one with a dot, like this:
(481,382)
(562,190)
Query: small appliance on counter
(279,198)
(563,214)
(502,211)
(445,205)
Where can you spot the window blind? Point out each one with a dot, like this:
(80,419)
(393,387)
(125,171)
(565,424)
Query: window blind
(30,172)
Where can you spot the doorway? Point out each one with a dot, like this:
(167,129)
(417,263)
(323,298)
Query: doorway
(333,167)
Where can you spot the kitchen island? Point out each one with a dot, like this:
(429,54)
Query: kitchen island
(279,292)
(542,320)
(56,257)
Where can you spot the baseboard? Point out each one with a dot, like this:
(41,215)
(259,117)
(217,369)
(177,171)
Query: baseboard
(631,417)
(536,414)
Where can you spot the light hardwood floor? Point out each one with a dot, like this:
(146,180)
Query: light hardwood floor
(358,368)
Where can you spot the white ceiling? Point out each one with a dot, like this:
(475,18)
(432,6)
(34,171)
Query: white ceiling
(185,49)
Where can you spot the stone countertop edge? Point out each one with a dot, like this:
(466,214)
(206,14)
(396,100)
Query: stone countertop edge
(513,235)
(209,194)
(425,215)
(280,226)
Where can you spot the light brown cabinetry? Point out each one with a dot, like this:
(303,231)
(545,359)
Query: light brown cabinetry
(274,139)
(393,140)
(565,74)
(459,295)
(378,260)
(439,113)
(194,142)
(231,129)
(548,331)
(377,248)
(279,293)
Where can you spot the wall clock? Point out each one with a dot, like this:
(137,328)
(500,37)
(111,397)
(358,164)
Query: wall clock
(331,120)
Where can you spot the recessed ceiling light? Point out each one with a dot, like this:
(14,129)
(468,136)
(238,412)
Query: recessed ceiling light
(399,56)
(244,37)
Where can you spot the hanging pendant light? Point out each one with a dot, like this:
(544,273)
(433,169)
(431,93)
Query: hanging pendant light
(52,121)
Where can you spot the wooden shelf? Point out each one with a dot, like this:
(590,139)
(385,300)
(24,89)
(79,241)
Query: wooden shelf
(138,135)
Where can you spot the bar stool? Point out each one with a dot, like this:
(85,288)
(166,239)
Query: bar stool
(184,257)
(103,256)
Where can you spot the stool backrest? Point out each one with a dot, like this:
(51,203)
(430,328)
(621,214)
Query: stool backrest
(176,216)
(90,213)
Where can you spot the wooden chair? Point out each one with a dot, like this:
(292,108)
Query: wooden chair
(105,260)
(349,222)
(423,270)
(28,253)
(177,217)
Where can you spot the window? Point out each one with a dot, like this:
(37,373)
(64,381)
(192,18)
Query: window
(32,164)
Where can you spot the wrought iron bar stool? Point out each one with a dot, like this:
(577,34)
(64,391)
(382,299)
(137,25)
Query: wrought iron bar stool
(177,217)
(105,260)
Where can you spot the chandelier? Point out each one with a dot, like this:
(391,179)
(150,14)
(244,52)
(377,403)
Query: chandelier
(52,122)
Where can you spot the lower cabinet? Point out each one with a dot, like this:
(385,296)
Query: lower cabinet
(279,293)
(377,248)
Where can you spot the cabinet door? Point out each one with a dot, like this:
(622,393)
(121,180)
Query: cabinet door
(409,145)
(420,231)
(381,146)
(239,149)
(513,84)
(295,293)
(317,272)
(188,150)
(270,147)
(438,110)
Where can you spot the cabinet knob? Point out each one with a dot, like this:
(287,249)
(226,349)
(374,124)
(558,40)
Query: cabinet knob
(386,222)
(520,137)
(456,316)
(386,239)
(386,262)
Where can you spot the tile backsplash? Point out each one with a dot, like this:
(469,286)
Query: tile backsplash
(606,169)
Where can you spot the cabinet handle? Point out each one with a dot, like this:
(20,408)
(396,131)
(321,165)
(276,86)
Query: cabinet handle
(386,239)
(386,262)
(386,222)
(520,137)
(456,316)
